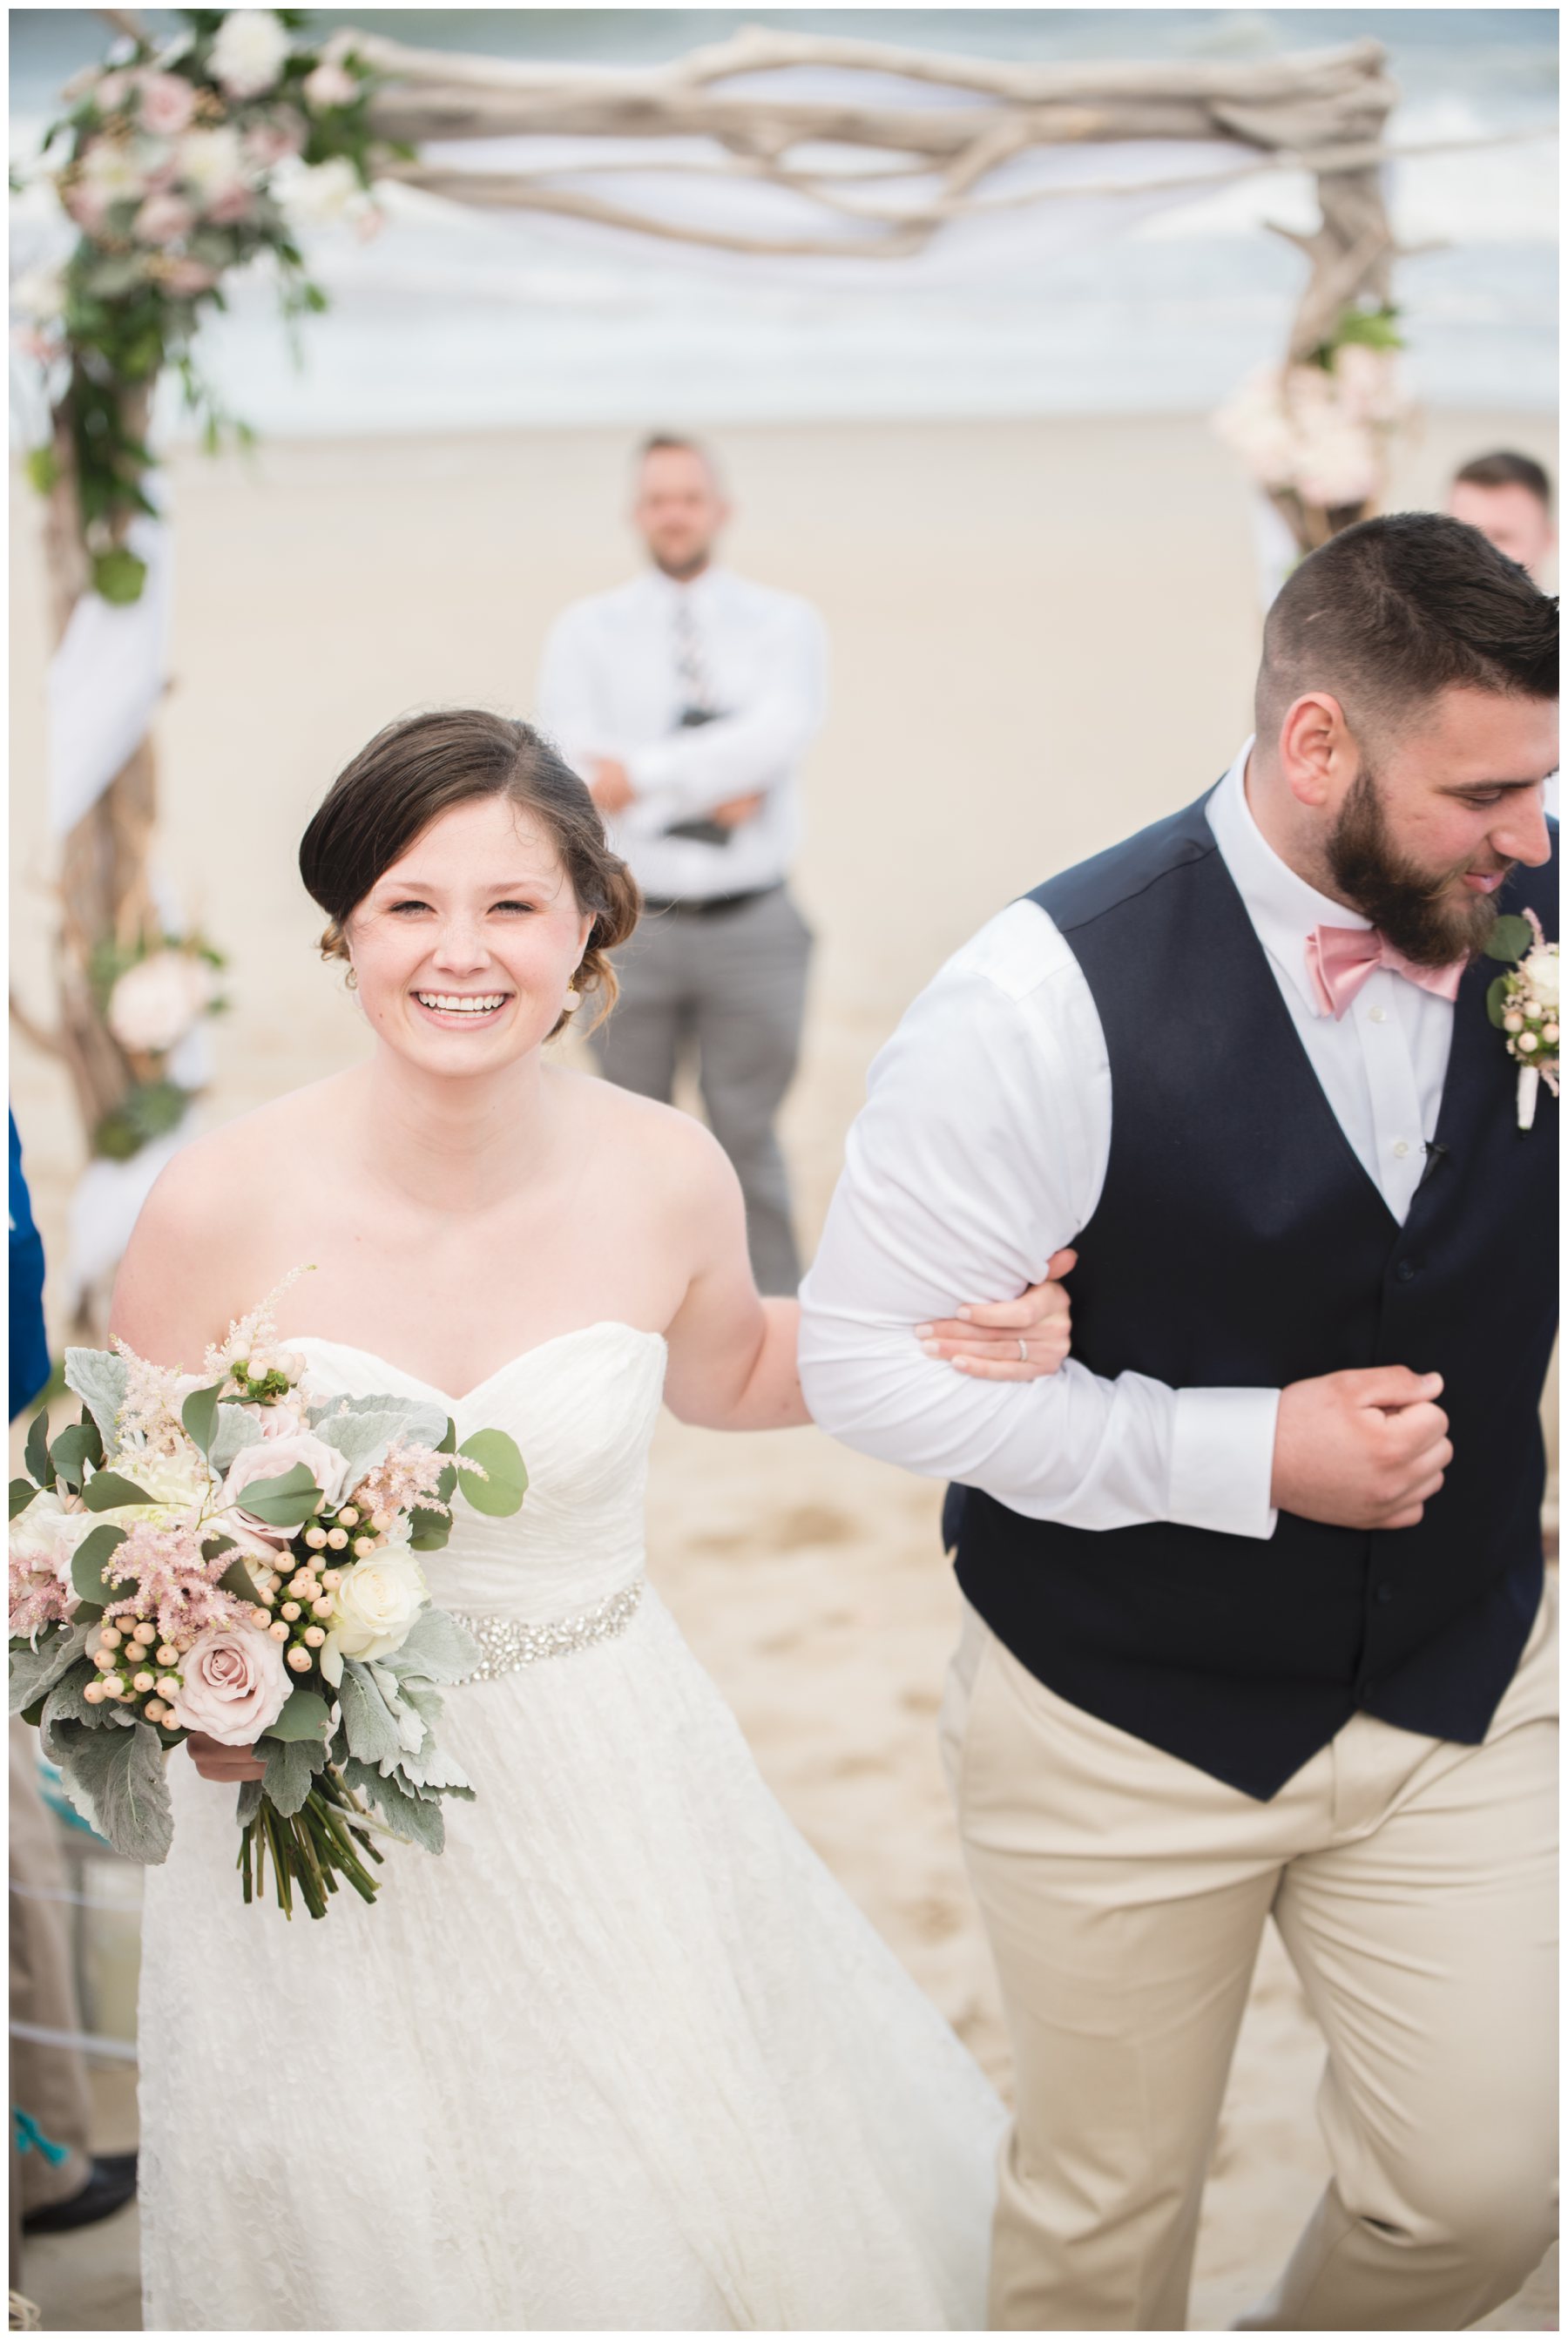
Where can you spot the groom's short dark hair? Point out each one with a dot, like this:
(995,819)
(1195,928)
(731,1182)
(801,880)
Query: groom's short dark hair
(1390,612)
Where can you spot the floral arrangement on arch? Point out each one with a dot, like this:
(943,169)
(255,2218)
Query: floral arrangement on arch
(153,993)
(1315,434)
(180,162)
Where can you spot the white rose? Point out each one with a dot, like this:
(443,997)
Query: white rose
(176,1484)
(211,162)
(114,170)
(39,295)
(330,85)
(46,1535)
(1542,976)
(156,1002)
(249,52)
(377,1602)
(320,195)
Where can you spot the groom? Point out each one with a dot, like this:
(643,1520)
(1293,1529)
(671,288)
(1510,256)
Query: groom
(1254,1621)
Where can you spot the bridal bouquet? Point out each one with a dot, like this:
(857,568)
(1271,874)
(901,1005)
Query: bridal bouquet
(218,1553)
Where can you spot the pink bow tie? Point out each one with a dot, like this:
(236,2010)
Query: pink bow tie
(1339,960)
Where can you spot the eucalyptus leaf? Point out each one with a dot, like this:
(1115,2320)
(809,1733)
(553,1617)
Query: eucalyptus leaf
(427,1530)
(106,1490)
(1511,938)
(87,1561)
(1497,1000)
(292,1766)
(200,1415)
(35,1453)
(115,1778)
(408,1814)
(305,1715)
(73,1451)
(502,1490)
(99,1379)
(35,1671)
(369,1724)
(237,1578)
(22,1493)
(287,1501)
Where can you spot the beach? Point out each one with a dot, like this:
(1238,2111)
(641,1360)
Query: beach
(1043,635)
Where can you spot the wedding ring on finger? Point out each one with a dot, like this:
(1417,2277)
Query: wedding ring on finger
(1023,1351)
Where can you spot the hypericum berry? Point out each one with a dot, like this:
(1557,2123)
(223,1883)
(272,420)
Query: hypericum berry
(290,1610)
(315,1538)
(168,1685)
(315,1637)
(108,1638)
(322,1608)
(337,1538)
(168,1655)
(154,1710)
(300,1661)
(279,1632)
(348,1517)
(142,1683)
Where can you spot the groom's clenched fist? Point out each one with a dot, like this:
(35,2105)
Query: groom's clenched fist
(1361,1450)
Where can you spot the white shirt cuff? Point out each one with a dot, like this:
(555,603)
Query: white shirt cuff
(1222,1460)
(648,767)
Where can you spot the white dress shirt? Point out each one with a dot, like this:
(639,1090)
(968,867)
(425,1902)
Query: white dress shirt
(982,1149)
(611,685)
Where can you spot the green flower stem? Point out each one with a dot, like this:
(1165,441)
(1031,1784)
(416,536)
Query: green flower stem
(311,1848)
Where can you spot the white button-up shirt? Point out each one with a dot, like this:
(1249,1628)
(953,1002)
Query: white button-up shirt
(611,685)
(982,1149)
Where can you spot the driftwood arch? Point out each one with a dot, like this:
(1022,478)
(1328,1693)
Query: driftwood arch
(871,175)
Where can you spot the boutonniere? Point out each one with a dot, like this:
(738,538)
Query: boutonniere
(1523,1006)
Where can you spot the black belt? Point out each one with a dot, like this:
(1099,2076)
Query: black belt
(709,906)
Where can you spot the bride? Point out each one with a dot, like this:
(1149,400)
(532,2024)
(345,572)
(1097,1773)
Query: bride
(625,2055)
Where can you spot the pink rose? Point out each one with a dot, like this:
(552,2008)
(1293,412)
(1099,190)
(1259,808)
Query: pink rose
(88,206)
(112,92)
(269,142)
(167,103)
(234,1684)
(163,219)
(272,1458)
(233,203)
(186,278)
(330,85)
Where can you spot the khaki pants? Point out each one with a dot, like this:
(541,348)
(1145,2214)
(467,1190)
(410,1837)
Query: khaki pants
(49,2082)
(1413,1882)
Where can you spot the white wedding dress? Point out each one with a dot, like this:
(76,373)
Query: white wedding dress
(624,2057)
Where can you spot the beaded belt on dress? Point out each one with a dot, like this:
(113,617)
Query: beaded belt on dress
(507,1642)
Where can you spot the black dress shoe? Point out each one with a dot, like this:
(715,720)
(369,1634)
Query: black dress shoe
(111,2183)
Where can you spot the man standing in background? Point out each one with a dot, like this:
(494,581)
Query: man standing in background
(1508,498)
(687,699)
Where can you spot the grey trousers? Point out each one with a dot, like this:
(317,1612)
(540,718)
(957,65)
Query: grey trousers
(733,986)
(49,2082)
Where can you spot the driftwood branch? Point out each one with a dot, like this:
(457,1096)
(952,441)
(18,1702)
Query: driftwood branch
(750,109)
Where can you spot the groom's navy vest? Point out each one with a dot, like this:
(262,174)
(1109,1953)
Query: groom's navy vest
(1238,1242)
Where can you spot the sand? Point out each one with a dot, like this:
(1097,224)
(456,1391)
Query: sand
(1042,635)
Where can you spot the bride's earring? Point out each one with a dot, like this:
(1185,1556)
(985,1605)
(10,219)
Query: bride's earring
(351,980)
(572,1001)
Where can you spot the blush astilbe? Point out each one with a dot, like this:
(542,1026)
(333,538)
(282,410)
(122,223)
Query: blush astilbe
(38,1598)
(175,1588)
(408,1479)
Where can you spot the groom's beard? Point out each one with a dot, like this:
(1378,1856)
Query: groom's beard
(1409,906)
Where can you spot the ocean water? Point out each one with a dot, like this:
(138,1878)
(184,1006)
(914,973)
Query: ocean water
(474,322)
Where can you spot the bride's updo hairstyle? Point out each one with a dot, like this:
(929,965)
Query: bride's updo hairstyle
(418,769)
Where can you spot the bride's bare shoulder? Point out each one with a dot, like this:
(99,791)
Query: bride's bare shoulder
(218,1175)
(652,1152)
(204,1236)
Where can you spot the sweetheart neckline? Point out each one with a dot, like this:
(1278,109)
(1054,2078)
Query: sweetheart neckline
(600,1325)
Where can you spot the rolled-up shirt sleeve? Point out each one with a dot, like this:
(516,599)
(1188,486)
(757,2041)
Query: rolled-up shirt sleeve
(981,1151)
